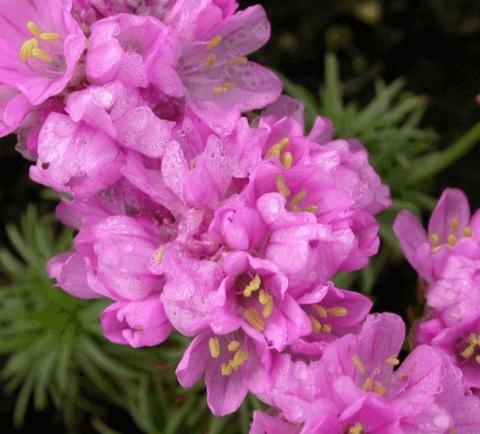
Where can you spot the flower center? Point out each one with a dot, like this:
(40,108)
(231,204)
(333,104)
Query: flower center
(235,355)
(472,349)
(256,301)
(356,429)
(43,52)
(295,202)
(277,150)
(452,237)
(320,317)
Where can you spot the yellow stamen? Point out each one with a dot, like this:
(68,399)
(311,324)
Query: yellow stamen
(253,286)
(311,208)
(468,231)
(233,346)
(368,384)
(27,47)
(158,255)
(281,185)
(240,60)
(337,311)
(454,226)
(35,30)
(392,361)
(356,429)
(359,366)
(276,149)
(317,327)
(327,328)
(435,239)
(298,198)
(469,351)
(379,389)
(226,369)
(49,36)
(287,160)
(210,61)
(477,359)
(214,345)
(262,297)
(268,308)
(214,42)
(255,319)
(41,54)
(451,240)
(436,249)
(225,87)
(239,359)
(321,311)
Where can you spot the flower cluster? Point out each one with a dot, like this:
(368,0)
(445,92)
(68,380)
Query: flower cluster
(226,226)
(447,258)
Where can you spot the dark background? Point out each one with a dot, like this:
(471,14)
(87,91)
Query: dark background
(433,44)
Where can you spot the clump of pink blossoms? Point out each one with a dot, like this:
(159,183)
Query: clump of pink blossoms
(193,217)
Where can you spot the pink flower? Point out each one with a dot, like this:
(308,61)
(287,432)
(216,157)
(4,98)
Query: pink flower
(232,364)
(254,297)
(122,47)
(41,45)
(75,158)
(123,115)
(112,258)
(213,73)
(462,343)
(136,323)
(450,229)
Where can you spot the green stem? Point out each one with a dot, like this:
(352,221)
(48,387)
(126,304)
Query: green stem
(438,161)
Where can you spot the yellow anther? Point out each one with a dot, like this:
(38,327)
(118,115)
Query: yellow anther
(239,359)
(454,226)
(321,311)
(226,369)
(451,240)
(436,249)
(276,149)
(311,208)
(337,311)
(368,384)
(253,286)
(356,429)
(240,60)
(435,239)
(214,345)
(392,361)
(295,202)
(317,326)
(268,307)
(326,328)
(469,351)
(49,36)
(159,253)
(255,319)
(281,185)
(233,346)
(467,231)
(225,87)
(477,359)
(287,160)
(214,42)
(27,47)
(379,389)
(359,366)
(210,61)
(41,54)
(35,30)
(262,297)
